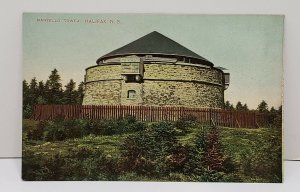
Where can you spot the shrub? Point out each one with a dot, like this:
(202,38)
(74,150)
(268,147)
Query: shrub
(103,127)
(64,129)
(33,130)
(61,129)
(81,163)
(86,163)
(206,159)
(119,126)
(185,122)
(27,111)
(148,152)
(37,166)
(265,161)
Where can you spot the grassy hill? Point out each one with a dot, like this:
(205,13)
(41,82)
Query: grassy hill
(254,153)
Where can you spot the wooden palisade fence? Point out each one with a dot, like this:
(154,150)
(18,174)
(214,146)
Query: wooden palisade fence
(220,117)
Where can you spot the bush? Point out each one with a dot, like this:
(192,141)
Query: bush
(27,111)
(61,129)
(81,163)
(119,126)
(33,130)
(185,122)
(103,127)
(148,152)
(206,159)
(265,161)
(86,163)
(37,166)
(64,129)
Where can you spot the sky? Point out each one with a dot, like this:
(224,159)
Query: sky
(250,47)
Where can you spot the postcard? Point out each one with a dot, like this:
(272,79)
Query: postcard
(152,97)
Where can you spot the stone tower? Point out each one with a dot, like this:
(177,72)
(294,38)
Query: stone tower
(155,71)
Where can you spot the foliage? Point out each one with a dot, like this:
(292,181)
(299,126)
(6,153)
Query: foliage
(55,88)
(275,118)
(240,107)
(154,153)
(33,130)
(228,106)
(185,123)
(149,151)
(70,94)
(50,92)
(81,163)
(206,160)
(80,93)
(61,129)
(64,129)
(264,161)
(263,107)
(111,127)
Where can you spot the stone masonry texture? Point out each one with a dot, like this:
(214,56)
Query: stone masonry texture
(164,84)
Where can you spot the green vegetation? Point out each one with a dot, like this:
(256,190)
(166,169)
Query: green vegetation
(126,149)
(50,92)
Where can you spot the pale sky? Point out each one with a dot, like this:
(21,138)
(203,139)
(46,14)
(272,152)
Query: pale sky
(250,47)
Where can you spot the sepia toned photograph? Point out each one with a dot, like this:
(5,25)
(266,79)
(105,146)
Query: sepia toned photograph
(146,97)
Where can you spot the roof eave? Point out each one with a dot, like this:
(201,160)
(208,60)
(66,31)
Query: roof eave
(117,55)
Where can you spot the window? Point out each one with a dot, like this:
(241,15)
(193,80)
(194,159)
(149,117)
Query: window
(131,94)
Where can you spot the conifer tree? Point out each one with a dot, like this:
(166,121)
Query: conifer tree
(245,107)
(214,158)
(70,94)
(55,88)
(33,94)
(239,106)
(25,94)
(41,99)
(80,93)
(228,106)
(263,107)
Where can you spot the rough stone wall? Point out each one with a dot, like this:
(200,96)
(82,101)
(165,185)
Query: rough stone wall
(137,87)
(103,72)
(164,85)
(182,72)
(187,94)
(102,93)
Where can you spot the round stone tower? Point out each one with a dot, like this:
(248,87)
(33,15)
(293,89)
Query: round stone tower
(155,71)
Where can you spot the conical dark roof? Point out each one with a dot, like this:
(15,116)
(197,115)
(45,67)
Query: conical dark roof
(156,44)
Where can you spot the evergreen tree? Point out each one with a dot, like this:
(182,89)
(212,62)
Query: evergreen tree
(263,107)
(70,94)
(55,88)
(239,106)
(41,93)
(228,106)
(245,107)
(33,92)
(80,93)
(46,93)
(40,88)
(25,94)
(273,110)
(214,157)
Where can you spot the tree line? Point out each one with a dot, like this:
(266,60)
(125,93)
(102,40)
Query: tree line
(262,107)
(274,115)
(50,92)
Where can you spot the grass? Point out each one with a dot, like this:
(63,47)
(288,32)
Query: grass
(236,141)
(244,145)
(109,144)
